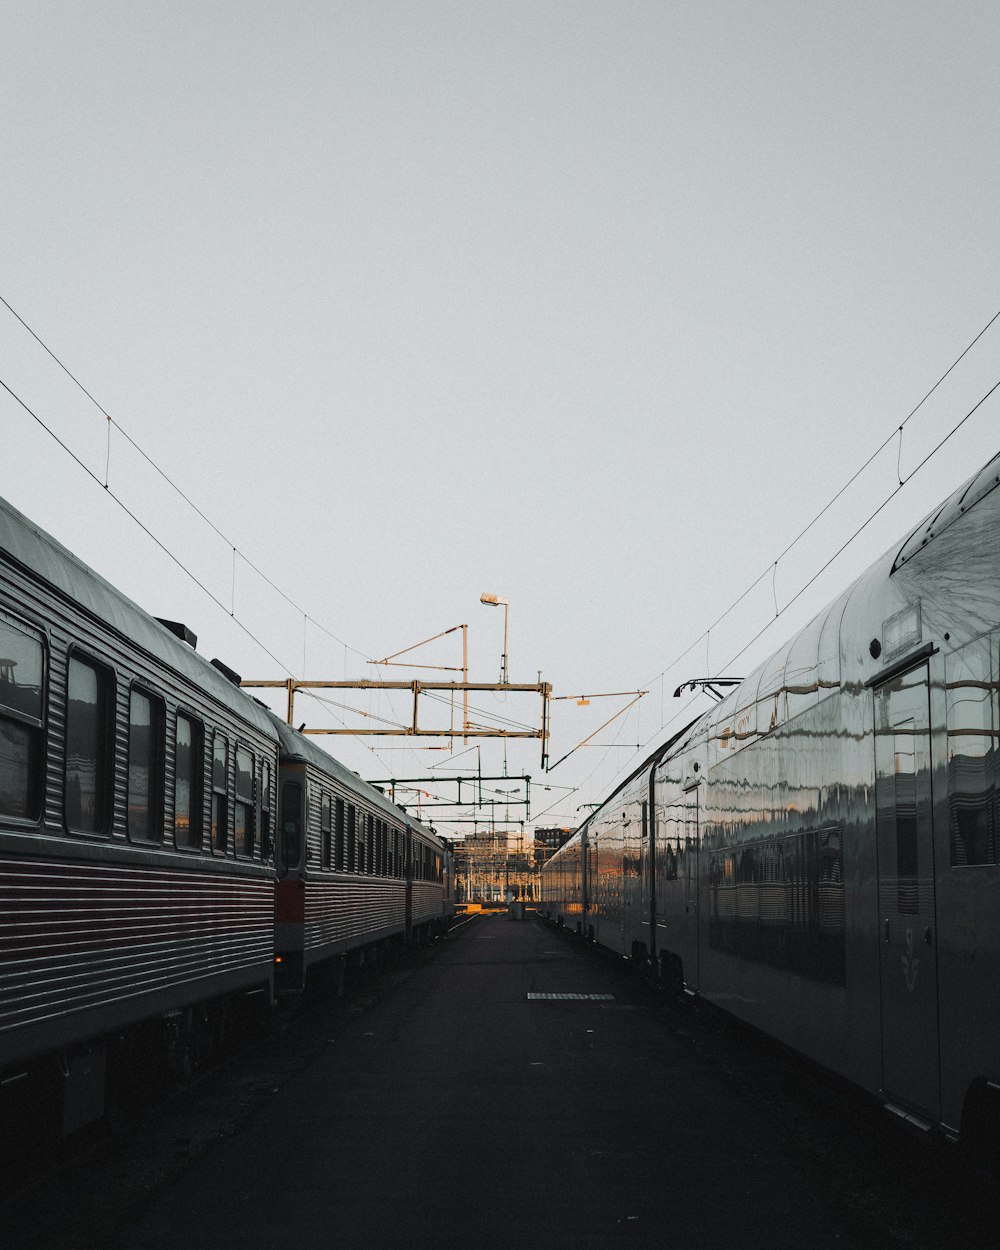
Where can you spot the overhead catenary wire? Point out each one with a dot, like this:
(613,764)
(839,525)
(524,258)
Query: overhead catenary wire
(868,520)
(145,529)
(833,499)
(840,550)
(112,422)
(236,552)
(772,568)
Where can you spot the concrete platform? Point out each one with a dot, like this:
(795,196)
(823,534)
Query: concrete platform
(514,1091)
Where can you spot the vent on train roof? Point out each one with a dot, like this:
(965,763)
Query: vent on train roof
(180,631)
(226,671)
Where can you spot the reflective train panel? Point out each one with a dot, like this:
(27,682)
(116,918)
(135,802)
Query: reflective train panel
(818,854)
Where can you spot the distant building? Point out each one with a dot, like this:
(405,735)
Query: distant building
(548,841)
(491,865)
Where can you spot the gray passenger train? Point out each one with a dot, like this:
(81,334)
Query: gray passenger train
(818,854)
(151,815)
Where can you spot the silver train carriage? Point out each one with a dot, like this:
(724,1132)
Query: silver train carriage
(136,794)
(156,827)
(355,870)
(818,854)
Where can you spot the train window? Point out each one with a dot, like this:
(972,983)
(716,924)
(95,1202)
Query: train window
(21,722)
(291,824)
(905,784)
(244,825)
(781,902)
(326,830)
(265,810)
(220,793)
(87,797)
(188,767)
(145,767)
(772,700)
(802,688)
(363,842)
(352,838)
(341,849)
(972,742)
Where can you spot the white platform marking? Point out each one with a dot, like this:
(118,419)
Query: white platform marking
(571,997)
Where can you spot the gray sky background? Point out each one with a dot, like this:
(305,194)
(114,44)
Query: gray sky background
(591,306)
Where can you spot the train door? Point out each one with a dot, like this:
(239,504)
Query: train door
(632,849)
(689,870)
(907,932)
(590,906)
(408,890)
(647,879)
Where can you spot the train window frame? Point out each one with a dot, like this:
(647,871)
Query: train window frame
(266,801)
(155,790)
(33,728)
(352,838)
(362,842)
(244,804)
(961,800)
(195,842)
(325,829)
(219,842)
(772,694)
(107,704)
(292,795)
(340,834)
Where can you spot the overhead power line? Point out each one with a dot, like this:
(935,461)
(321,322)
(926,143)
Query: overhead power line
(113,424)
(896,433)
(145,529)
(770,569)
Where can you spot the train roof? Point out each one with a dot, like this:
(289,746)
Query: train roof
(957,504)
(808,664)
(299,746)
(48,561)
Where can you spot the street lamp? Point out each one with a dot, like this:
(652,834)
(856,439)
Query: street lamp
(493,602)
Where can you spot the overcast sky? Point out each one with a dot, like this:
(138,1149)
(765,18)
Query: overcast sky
(588,305)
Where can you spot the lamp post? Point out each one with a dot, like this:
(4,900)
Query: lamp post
(494,602)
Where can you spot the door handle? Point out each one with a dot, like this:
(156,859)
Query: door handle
(887,930)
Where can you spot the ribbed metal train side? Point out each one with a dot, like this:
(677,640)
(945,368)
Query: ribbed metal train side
(104,927)
(356,878)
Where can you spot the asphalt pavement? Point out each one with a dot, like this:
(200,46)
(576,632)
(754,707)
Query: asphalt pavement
(520,1089)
